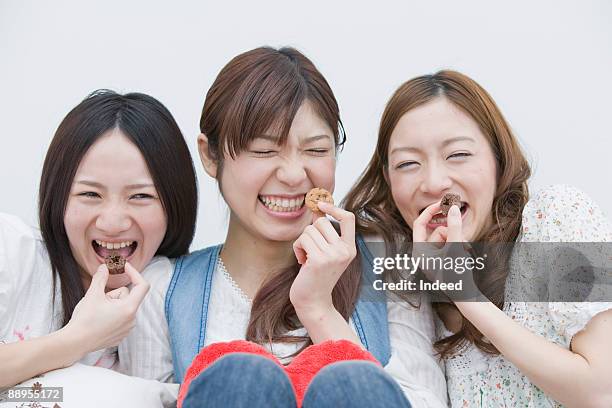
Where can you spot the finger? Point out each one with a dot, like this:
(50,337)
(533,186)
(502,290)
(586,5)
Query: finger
(439,235)
(345,218)
(419,226)
(140,286)
(316,237)
(327,230)
(99,280)
(299,252)
(453,220)
(119,293)
(310,247)
(316,215)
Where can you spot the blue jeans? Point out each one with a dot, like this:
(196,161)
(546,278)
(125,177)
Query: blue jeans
(249,380)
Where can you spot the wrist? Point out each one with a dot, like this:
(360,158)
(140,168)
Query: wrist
(75,344)
(314,314)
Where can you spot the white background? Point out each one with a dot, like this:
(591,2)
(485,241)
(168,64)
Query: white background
(548,64)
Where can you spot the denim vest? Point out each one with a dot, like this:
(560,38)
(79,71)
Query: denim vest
(188,295)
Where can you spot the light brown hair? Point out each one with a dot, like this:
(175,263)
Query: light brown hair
(376,213)
(259,92)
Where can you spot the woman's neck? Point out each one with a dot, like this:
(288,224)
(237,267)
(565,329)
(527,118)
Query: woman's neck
(249,258)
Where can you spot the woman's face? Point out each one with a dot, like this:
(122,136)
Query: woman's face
(113,204)
(435,149)
(265,185)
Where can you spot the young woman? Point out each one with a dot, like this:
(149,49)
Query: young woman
(271,131)
(441,134)
(109,182)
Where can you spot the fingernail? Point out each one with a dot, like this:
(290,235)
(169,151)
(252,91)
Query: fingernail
(455,210)
(323,204)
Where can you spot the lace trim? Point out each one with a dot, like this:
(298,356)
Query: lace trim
(232,282)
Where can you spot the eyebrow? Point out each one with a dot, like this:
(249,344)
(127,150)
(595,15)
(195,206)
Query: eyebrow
(443,144)
(309,139)
(315,138)
(100,186)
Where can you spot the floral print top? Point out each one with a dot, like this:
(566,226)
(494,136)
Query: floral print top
(475,379)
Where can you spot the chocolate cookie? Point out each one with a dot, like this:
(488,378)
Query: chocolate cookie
(115,263)
(448,201)
(314,196)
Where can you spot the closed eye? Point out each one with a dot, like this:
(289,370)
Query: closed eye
(141,196)
(459,155)
(405,164)
(263,152)
(318,152)
(89,194)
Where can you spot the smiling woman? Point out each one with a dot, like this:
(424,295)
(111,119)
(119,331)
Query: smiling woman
(285,277)
(108,186)
(443,134)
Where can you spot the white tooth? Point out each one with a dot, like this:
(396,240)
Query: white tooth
(292,203)
(122,245)
(285,202)
(116,245)
(109,245)
(98,242)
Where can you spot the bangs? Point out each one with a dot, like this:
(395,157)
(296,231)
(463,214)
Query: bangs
(262,106)
(258,93)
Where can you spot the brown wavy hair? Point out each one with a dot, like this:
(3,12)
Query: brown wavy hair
(257,92)
(376,213)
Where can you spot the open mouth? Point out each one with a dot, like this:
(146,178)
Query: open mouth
(282,204)
(123,249)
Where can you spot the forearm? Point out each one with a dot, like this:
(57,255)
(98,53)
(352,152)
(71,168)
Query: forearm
(327,325)
(25,359)
(566,376)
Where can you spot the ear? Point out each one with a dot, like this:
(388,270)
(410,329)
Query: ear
(210,165)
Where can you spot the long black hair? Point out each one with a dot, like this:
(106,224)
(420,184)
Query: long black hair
(151,127)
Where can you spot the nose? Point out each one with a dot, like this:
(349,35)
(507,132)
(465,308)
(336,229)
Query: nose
(436,180)
(113,219)
(291,172)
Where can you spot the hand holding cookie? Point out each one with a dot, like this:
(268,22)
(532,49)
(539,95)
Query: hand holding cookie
(102,319)
(324,255)
(448,206)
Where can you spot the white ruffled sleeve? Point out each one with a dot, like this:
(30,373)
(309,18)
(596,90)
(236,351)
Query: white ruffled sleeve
(563,213)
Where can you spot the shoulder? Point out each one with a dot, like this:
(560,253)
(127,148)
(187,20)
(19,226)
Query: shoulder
(22,251)
(158,273)
(15,228)
(200,254)
(563,213)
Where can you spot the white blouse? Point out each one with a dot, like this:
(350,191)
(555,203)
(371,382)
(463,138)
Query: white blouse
(476,379)
(27,308)
(412,363)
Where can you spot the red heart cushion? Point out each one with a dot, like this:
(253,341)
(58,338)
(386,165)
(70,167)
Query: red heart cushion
(300,371)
